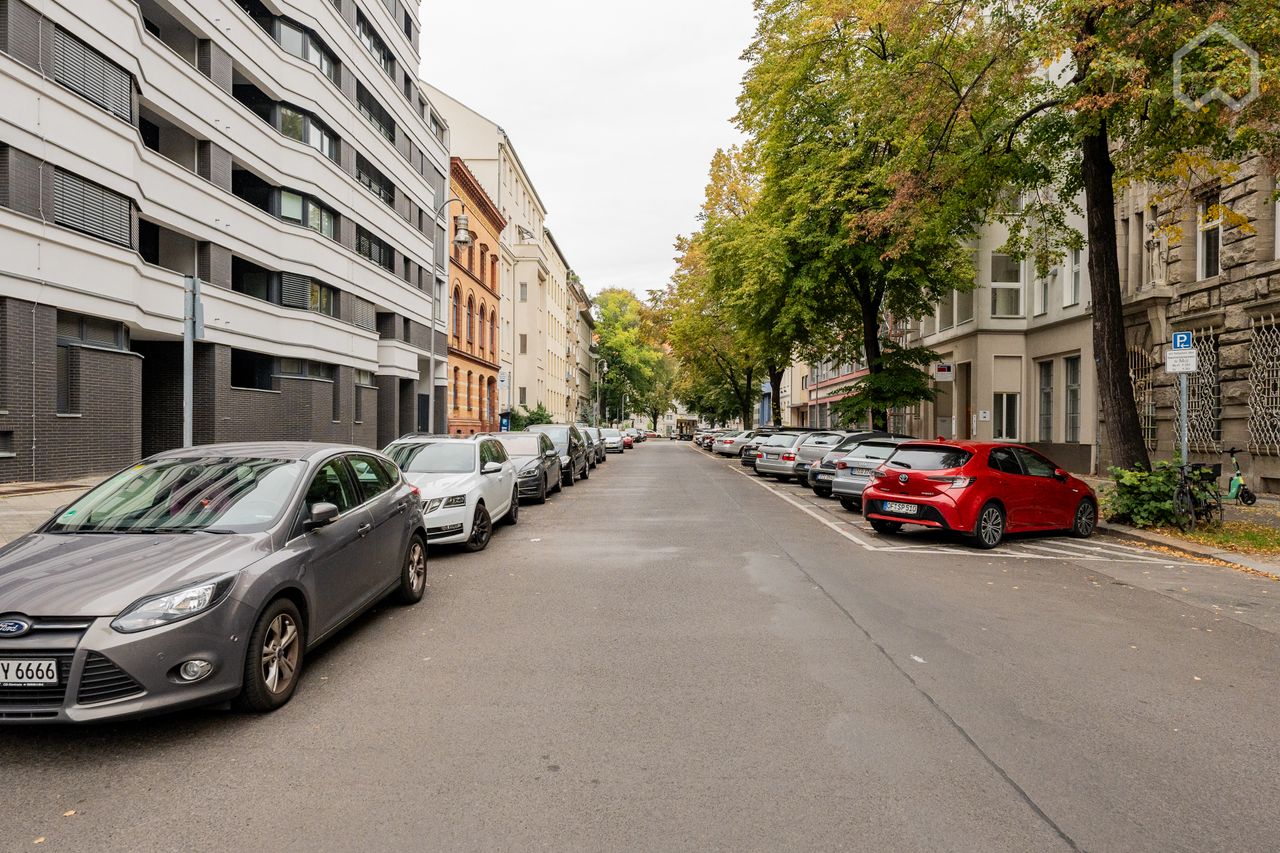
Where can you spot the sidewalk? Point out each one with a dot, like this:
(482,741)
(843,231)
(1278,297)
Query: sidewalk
(25,505)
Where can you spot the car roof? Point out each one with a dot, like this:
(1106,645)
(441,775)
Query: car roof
(296,450)
(963,444)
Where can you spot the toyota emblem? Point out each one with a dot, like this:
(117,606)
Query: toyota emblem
(902,478)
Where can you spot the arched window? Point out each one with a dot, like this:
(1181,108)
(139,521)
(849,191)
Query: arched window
(471,258)
(457,307)
(482,314)
(469,375)
(456,374)
(471,319)
(493,336)
(484,263)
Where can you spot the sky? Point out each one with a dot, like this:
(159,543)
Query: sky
(615,108)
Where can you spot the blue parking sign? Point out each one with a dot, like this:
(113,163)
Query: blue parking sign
(1182,340)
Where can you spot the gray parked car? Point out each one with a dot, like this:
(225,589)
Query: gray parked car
(822,473)
(776,455)
(731,443)
(199,576)
(814,446)
(853,472)
(595,442)
(612,440)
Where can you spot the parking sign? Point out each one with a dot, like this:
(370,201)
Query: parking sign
(1182,340)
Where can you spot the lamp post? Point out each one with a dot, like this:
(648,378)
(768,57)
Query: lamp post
(462,239)
(600,374)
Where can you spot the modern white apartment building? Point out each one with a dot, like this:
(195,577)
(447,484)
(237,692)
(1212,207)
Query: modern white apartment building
(539,313)
(281,151)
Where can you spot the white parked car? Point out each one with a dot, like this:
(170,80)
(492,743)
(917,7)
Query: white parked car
(467,486)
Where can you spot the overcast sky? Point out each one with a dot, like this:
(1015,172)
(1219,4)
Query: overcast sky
(615,108)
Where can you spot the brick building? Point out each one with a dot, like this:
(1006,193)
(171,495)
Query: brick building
(283,154)
(475,294)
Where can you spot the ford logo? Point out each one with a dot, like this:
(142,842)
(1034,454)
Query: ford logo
(902,478)
(14,627)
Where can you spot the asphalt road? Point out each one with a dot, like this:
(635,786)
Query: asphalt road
(670,657)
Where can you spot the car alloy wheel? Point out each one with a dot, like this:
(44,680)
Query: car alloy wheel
(481,530)
(273,660)
(413,578)
(990,526)
(281,651)
(542,492)
(1086,520)
(513,514)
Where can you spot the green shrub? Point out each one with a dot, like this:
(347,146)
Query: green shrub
(1142,498)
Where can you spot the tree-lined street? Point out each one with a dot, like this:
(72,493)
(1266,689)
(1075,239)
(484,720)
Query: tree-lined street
(682,658)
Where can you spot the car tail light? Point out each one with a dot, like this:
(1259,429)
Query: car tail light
(415,491)
(954,482)
(728,441)
(877,474)
(842,465)
(788,457)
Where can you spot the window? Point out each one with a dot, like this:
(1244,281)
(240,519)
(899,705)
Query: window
(68,389)
(375,45)
(482,316)
(964,306)
(1002,459)
(371,478)
(469,376)
(253,280)
(324,299)
(293,123)
(1005,417)
(321,218)
(524,344)
(1210,238)
(92,331)
(91,75)
(291,206)
(304,45)
(524,291)
(1046,401)
(438,306)
(457,372)
(363,379)
(1041,295)
(493,335)
(471,325)
(332,486)
(251,370)
(522,396)
(375,249)
(369,107)
(1071,367)
(947,311)
(1006,286)
(372,177)
(299,125)
(457,317)
(91,208)
(1076,280)
(1034,464)
(408,26)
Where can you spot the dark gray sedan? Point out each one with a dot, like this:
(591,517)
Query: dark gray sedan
(199,576)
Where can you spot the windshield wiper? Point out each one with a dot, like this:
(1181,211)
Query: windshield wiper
(899,464)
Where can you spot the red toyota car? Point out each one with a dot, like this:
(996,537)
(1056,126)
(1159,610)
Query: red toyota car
(979,488)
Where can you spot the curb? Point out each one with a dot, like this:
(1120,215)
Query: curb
(1238,561)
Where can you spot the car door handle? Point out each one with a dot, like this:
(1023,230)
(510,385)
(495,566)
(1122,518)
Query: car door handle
(363,530)
(400,506)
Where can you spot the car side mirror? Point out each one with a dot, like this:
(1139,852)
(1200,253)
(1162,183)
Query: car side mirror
(552,454)
(321,515)
(491,468)
(1060,475)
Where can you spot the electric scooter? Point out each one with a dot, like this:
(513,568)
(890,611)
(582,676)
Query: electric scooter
(1238,491)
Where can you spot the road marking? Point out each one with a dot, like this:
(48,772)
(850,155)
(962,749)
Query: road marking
(811,513)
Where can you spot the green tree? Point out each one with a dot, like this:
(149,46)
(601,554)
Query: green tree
(658,399)
(626,343)
(529,417)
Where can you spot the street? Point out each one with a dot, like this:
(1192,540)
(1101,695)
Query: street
(673,656)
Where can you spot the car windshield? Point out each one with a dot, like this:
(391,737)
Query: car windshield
(781,440)
(559,437)
(612,433)
(223,495)
(929,458)
(873,450)
(522,445)
(443,457)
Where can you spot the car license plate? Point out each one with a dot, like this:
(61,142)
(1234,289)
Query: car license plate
(824,476)
(863,470)
(900,509)
(769,455)
(28,673)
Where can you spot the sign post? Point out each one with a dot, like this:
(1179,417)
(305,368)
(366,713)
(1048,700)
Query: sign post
(192,331)
(1182,360)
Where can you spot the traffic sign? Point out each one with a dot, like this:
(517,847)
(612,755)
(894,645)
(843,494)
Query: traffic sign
(1181,361)
(1182,341)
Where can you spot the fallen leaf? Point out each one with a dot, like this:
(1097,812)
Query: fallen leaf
(69,814)
(1196,677)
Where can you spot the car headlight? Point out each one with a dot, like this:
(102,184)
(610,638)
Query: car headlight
(529,473)
(456,500)
(432,505)
(172,607)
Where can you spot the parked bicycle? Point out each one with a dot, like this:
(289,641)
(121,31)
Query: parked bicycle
(1198,497)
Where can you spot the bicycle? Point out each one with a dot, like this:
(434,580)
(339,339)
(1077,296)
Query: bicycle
(1237,490)
(1197,497)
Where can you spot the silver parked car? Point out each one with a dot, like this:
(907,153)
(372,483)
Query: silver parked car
(613,440)
(853,472)
(731,443)
(202,575)
(595,438)
(776,455)
(811,450)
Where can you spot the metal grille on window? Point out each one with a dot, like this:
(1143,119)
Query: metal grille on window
(363,314)
(87,72)
(1204,387)
(1142,373)
(91,208)
(295,290)
(1264,388)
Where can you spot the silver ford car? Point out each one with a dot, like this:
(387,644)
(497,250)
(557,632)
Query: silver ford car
(199,576)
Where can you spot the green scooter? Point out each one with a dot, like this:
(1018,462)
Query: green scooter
(1238,491)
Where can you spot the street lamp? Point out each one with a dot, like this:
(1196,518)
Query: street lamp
(600,374)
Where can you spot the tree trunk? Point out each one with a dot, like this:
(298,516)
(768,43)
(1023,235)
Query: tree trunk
(1115,388)
(775,386)
(746,401)
(871,348)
